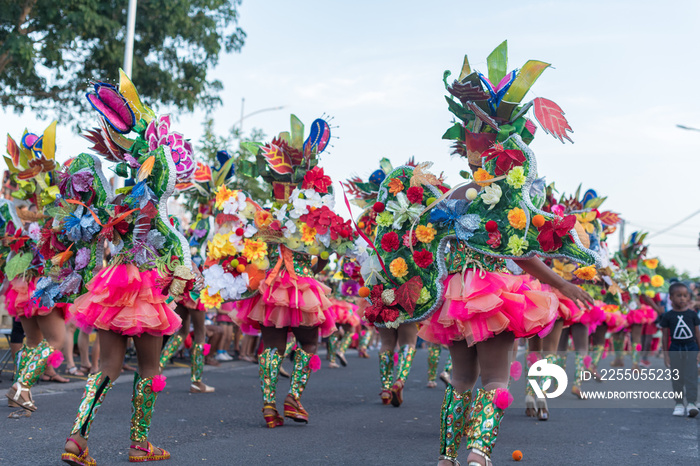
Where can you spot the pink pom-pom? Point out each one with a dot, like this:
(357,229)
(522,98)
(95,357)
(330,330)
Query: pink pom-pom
(605,354)
(587,361)
(516,370)
(503,398)
(314,363)
(396,358)
(206,348)
(532,358)
(55,359)
(158,383)
(355,337)
(638,347)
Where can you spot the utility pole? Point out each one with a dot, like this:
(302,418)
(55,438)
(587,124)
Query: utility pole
(242,117)
(130,31)
(622,233)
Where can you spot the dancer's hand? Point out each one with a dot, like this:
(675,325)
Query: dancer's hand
(577,295)
(198,279)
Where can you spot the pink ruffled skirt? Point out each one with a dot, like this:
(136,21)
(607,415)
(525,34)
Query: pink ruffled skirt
(344,312)
(642,315)
(287,303)
(615,320)
(483,305)
(568,310)
(124,300)
(18,299)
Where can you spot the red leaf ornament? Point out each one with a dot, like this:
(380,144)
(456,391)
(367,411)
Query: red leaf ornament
(551,118)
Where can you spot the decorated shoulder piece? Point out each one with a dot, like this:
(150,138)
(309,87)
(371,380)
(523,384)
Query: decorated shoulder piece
(135,221)
(637,272)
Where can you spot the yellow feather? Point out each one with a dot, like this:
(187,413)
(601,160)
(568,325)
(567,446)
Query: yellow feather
(146,168)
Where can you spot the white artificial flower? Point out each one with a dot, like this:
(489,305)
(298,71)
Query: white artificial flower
(491,195)
(235,204)
(34,231)
(325,239)
(371,270)
(235,287)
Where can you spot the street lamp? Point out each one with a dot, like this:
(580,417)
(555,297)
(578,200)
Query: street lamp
(240,122)
(687,128)
(130,31)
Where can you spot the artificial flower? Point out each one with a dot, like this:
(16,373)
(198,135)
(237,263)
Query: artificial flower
(315,179)
(649,263)
(564,269)
(538,220)
(82,258)
(254,250)
(423,258)
(425,233)
(421,176)
(516,177)
(481,177)
(505,159)
(494,239)
(390,242)
(491,226)
(222,195)
(34,232)
(398,267)
(415,194)
(424,296)
(308,234)
(657,280)
(517,245)
(372,272)
(263,219)
(517,218)
(452,213)
(395,186)
(586,273)
(235,204)
(403,210)
(409,239)
(552,232)
(210,302)
(181,150)
(586,220)
(385,219)
(491,195)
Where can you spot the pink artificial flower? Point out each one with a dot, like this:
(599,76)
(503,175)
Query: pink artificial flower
(587,361)
(503,398)
(516,370)
(158,383)
(181,150)
(206,347)
(55,359)
(314,363)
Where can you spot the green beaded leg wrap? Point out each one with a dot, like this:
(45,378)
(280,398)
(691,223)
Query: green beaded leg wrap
(300,373)
(36,364)
(618,345)
(363,343)
(405,362)
(143,402)
(528,387)
(290,346)
(433,360)
(596,353)
(170,349)
(345,342)
(551,359)
(448,365)
(197,356)
(95,392)
(332,347)
(579,367)
(269,365)
(453,419)
(485,418)
(386,369)
(22,358)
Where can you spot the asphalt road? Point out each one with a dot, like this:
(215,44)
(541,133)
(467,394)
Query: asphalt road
(348,425)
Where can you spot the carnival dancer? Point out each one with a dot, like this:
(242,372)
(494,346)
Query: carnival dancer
(264,259)
(148,255)
(473,304)
(31,164)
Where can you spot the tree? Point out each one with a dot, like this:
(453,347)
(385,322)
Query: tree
(51,49)
(210,143)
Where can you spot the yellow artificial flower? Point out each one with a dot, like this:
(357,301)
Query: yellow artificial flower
(398,267)
(210,302)
(563,269)
(586,220)
(652,263)
(517,218)
(586,273)
(308,234)
(425,233)
(216,249)
(263,219)
(657,281)
(223,194)
(481,176)
(254,250)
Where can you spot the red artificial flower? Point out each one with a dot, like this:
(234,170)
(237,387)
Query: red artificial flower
(491,226)
(50,245)
(443,188)
(645,278)
(390,314)
(494,239)
(315,179)
(505,159)
(378,207)
(409,239)
(415,194)
(552,232)
(390,242)
(423,258)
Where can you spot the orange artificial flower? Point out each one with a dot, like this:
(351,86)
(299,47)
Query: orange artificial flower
(652,263)
(395,186)
(425,233)
(538,220)
(586,273)
(517,218)
(398,267)
(481,176)
(263,219)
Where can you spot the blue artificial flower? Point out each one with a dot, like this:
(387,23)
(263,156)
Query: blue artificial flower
(453,213)
(80,226)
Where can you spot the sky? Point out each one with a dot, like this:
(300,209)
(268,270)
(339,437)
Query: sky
(622,72)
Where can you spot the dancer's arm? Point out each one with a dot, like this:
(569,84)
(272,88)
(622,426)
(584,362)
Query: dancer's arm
(540,271)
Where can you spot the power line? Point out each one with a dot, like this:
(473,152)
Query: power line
(671,227)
